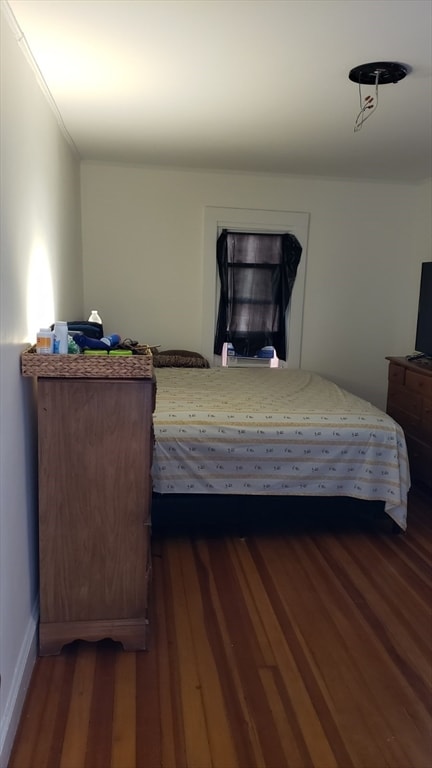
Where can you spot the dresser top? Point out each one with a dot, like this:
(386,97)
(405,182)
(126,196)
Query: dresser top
(422,365)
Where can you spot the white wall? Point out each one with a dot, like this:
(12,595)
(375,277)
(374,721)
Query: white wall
(143,260)
(41,278)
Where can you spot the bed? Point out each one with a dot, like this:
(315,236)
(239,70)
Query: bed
(274,432)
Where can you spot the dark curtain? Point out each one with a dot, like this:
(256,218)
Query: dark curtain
(257,274)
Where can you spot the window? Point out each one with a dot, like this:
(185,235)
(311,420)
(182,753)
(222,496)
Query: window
(257,273)
(252,220)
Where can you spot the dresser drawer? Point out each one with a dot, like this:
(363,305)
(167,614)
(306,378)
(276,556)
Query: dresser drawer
(396,374)
(403,399)
(409,402)
(427,420)
(420,459)
(419,427)
(410,424)
(416,382)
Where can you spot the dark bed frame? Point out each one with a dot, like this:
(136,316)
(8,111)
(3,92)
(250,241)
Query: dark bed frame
(240,515)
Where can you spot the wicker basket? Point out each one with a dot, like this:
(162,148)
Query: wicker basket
(87,366)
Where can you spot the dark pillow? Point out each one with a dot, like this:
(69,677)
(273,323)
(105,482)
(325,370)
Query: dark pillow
(179,358)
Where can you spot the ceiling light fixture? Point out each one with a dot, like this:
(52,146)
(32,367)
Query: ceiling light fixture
(377,73)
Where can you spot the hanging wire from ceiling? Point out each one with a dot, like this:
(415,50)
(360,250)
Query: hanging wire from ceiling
(366,103)
(375,74)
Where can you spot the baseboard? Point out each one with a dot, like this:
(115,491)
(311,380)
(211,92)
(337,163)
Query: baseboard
(20,682)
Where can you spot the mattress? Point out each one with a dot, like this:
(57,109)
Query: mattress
(275,431)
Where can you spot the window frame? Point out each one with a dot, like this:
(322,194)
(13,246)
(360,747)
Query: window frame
(260,221)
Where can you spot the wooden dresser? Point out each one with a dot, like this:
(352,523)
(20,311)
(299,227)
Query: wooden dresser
(409,402)
(95,450)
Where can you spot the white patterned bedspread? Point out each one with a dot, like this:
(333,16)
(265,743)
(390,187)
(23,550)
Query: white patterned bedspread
(274,431)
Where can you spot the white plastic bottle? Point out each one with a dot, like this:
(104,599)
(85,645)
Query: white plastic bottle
(61,337)
(95,317)
(45,342)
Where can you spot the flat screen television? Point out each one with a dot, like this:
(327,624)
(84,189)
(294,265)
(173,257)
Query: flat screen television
(423,343)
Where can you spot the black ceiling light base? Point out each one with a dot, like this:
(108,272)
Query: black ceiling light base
(378,72)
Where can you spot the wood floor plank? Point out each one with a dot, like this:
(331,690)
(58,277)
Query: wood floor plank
(239,711)
(399,586)
(394,647)
(148,722)
(164,642)
(305,712)
(221,742)
(99,738)
(377,689)
(124,727)
(58,705)
(328,738)
(307,645)
(395,598)
(295,750)
(251,586)
(32,718)
(196,738)
(241,632)
(330,642)
(77,726)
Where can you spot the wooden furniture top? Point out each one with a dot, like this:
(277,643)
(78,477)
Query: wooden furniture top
(422,365)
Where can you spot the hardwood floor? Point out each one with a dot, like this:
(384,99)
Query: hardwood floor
(303,645)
